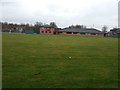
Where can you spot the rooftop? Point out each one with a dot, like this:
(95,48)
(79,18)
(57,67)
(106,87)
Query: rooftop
(81,30)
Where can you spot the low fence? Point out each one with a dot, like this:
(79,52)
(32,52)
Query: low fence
(116,35)
(24,31)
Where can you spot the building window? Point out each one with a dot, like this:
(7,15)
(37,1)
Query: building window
(60,32)
(49,31)
(69,32)
(75,33)
(82,33)
(42,27)
(45,31)
(42,31)
(93,34)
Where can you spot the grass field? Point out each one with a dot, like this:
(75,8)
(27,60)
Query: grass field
(43,61)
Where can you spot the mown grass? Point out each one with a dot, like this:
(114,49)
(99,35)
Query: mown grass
(42,61)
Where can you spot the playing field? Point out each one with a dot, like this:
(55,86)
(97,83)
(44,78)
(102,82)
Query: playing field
(59,61)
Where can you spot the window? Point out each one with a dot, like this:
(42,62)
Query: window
(69,32)
(82,33)
(60,32)
(45,31)
(75,33)
(49,31)
(42,31)
(93,34)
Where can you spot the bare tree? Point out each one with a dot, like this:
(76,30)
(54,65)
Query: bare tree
(38,25)
(77,26)
(104,29)
(53,24)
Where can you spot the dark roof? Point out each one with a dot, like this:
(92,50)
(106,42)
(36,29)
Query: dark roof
(115,30)
(79,30)
(46,26)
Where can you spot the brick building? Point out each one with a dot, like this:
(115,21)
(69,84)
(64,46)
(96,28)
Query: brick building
(80,31)
(71,31)
(47,30)
(115,30)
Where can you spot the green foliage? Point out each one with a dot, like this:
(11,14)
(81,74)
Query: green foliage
(42,61)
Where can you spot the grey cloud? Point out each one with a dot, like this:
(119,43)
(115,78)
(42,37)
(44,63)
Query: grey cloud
(102,14)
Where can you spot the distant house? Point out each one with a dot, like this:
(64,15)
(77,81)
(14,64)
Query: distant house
(80,31)
(115,32)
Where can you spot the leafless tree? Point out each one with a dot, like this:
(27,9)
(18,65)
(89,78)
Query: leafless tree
(104,29)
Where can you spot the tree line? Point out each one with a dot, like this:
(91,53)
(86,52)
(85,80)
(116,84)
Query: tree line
(6,27)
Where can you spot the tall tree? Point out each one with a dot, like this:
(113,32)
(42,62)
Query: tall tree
(53,24)
(77,26)
(104,29)
(38,25)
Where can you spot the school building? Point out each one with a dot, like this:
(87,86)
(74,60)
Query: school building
(70,31)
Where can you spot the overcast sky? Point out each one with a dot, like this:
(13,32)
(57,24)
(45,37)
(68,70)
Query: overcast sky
(64,12)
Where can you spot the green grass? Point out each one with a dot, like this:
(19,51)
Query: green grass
(42,61)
